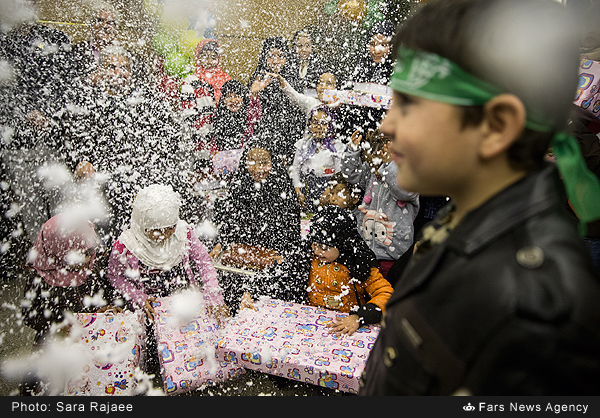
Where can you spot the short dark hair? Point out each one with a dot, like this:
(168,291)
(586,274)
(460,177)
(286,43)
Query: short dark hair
(376,139)
(354,191)
(526,47)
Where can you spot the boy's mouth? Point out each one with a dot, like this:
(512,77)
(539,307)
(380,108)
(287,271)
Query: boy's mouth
(397,156)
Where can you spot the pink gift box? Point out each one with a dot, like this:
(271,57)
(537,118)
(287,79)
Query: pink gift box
(358,98)
(588,91)
(186,336)
(226,162)
(292,341)
(115,346)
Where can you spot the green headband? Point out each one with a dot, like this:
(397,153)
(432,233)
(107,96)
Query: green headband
(428,75)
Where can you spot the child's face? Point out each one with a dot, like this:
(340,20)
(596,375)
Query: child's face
(319,124)
(117,73)
(233,102)
(104,28)
(339,195)
(379,47)
(209,60)
(324,253)
(160,234)
(327,81)
(304,47)
(275,60)
(259,164)
(432,158)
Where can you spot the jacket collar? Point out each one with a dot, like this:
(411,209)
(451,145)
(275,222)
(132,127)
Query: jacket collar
(533,195)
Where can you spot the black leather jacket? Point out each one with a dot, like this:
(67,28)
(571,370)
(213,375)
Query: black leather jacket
(507,305)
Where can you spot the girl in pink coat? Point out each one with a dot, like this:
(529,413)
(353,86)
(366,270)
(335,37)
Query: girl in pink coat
(160,254)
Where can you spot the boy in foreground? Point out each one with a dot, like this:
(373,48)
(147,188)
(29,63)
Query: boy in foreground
(500,297)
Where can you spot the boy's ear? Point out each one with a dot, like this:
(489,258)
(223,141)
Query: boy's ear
(503,124)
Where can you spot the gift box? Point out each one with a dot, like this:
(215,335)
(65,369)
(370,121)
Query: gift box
(186,335)
(291,340)
(587,96)
(111,347)
(358,98)
(226,162)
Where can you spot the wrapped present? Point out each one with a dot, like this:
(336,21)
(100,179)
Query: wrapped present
(587,96)
(291,340)
(304,227)
(359,98)
(186,335)
(226,162)
(114,347)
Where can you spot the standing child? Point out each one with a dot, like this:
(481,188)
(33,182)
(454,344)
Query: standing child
(318,156)
(500,297)
(344,274)
(230,127)
(386,216)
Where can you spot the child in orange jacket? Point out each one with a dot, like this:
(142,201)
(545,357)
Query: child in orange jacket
(344,273)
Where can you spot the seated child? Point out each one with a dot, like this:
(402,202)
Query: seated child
(159,254)
(317,157)
(340,193)
(344,275)
(386,216)
(64,275)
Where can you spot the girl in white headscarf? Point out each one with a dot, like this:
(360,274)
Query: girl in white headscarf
(160,254)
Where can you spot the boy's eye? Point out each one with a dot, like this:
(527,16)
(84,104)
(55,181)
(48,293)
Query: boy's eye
(404,99)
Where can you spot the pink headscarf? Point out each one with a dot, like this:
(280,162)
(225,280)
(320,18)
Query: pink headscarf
(216,77)
(60,243)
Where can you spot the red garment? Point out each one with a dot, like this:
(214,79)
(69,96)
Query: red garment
(216,77)
(167,85)
(60,237)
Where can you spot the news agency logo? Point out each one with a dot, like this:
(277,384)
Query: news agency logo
(468,407)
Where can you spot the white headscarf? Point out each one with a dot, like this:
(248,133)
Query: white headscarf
(156,206)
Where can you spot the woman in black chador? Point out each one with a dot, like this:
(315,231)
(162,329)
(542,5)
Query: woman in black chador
(261,209)
(372,74)
(277,114)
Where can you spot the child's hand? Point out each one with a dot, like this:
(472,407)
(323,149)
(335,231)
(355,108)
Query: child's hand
(246,301)
(301,197)
(259,84)
(215,251)
(110,309)
(148,308)
(347,325)
(277,259)
(356,138)
(84,170)
(325,197)
(220,312)
(278,77)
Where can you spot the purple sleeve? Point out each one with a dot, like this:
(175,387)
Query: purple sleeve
(199,256)
(123,274)
(254,114)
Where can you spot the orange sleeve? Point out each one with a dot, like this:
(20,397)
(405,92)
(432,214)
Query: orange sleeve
(378,288)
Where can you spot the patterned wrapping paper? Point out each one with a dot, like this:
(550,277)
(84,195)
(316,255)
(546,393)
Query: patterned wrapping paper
(114,346)
(291,340)
(226,162)
(358,98)
(588,91)
(186,336)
